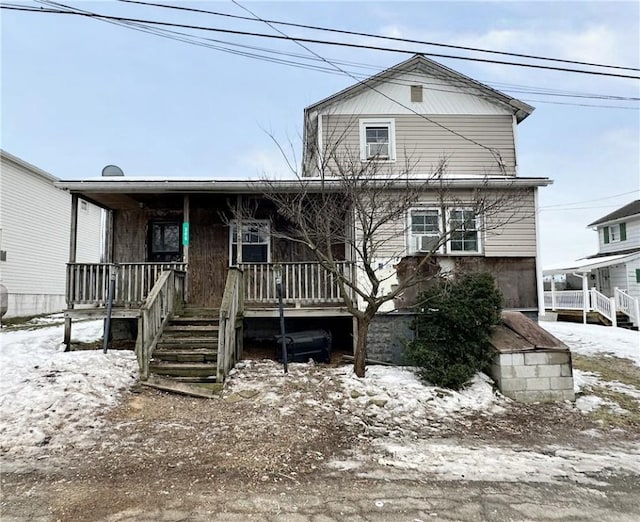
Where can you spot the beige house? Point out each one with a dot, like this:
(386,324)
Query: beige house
(175,244)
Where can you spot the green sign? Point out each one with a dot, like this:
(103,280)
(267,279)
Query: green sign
(185,233)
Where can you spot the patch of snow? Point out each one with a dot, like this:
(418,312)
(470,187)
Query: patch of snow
(49,398)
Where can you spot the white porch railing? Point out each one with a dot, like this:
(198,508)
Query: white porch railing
(605,306)
(305,283)
(88,283)
(564,300)
(628,305)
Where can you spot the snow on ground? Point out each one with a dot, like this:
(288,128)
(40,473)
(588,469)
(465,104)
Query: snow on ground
(593,339)
(50,398)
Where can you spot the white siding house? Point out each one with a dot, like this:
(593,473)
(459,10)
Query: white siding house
(35,225)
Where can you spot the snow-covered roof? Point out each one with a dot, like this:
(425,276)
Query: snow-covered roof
(587,265)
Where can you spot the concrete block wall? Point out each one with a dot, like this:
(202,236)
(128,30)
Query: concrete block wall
(540,376)
(387,337)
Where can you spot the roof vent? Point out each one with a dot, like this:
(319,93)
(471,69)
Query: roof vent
(112,170)
(416,93)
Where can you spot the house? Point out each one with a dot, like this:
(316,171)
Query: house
(605,286)
(175,241)
(35,218)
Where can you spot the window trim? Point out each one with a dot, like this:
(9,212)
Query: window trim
(151,252)
(450,232)
(378,122)
(411,247)
(245,222)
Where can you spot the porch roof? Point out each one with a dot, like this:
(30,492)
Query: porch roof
(584,266)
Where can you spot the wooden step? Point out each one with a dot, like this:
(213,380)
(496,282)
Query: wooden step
(185,355)
(194,321)
(196,311)
(176,369)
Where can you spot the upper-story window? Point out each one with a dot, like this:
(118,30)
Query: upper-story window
(615,233)
(256,246)
(465,233)
(377,140)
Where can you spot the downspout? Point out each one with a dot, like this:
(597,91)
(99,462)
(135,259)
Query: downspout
(539,281)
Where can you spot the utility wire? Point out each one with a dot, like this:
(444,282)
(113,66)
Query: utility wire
(317,41)
(382,37)
(590,200)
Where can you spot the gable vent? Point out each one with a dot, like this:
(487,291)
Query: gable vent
(416,93)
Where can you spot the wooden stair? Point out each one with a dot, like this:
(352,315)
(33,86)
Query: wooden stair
(188,348)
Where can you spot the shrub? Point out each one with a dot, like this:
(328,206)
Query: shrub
(453,329)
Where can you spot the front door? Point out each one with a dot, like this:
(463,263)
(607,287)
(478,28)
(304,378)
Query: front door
(604,281)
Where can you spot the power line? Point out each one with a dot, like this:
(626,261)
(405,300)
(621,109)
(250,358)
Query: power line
(382,37)
(590,200)
(317,41)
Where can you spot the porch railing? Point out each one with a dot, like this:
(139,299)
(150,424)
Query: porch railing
(564,300)
(165,298)
(229,337)
(306,283)
(88,283)
(628,305)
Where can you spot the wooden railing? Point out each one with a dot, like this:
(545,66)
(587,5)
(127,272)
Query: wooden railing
(302,283)
(166,297)
(88,283)
(229,332)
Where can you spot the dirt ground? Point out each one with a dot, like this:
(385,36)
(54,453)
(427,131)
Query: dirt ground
(161,456)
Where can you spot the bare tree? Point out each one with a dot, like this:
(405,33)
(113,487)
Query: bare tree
(342,208)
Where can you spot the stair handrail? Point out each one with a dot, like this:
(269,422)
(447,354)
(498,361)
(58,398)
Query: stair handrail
(166,296)
(605,306)
(231,309)
(628,305)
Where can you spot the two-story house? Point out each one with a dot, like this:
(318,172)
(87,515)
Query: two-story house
(416,122)
(612,273)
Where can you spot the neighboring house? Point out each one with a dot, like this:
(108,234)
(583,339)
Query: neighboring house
(184,228)
(614,272)
(34,237)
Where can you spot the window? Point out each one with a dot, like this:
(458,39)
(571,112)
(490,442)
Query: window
(465,236)
(377,140)
(255,242)
(615,233)
(164,241)
(424,230)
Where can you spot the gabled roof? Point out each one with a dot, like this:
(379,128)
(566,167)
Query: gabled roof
(631,209)
(5,156)
(431,68)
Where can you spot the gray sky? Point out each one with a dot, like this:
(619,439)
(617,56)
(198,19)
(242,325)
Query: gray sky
(78,94)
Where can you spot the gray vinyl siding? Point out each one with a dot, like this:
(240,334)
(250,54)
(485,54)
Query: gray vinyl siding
(35,223)
(424,144)
(510,232)
(632,241)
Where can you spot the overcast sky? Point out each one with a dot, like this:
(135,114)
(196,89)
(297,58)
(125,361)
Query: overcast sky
(78,94)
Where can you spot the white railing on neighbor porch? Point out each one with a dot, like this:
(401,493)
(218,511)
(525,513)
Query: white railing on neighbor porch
(303,284)
(628,305)
(88,283)
(595,302)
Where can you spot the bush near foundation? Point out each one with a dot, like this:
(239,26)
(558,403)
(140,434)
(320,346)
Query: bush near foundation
(452,331)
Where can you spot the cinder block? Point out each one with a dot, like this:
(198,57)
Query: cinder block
(509,372)
(496,372)
(514,384)
(566,370)
(561,383)
(539,383)
(517,359)
(531,396)
(548,370)
(558,357)
(536,358)
(525,372)
(506,359)
(568,395)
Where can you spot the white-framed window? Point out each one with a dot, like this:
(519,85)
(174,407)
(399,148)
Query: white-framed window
(425,230)
(464,235)
(615,233)
(377,140)
(256,244)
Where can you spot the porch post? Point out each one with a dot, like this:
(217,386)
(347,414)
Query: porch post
(614,318)
(185,243)
(73,235)
(585,297)
(553,293)
(239,230)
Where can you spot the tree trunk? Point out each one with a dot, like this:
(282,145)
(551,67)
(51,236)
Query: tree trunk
(360,354)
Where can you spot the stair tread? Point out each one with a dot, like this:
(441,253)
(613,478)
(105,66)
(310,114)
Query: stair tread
(190,328)
(164,364)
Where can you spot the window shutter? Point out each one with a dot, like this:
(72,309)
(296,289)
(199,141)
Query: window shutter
(606,235)
(637,275)
(623,231)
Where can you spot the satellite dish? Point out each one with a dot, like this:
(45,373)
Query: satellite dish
(112,170)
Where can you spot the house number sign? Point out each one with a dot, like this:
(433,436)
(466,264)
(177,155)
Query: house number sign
(185,233)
